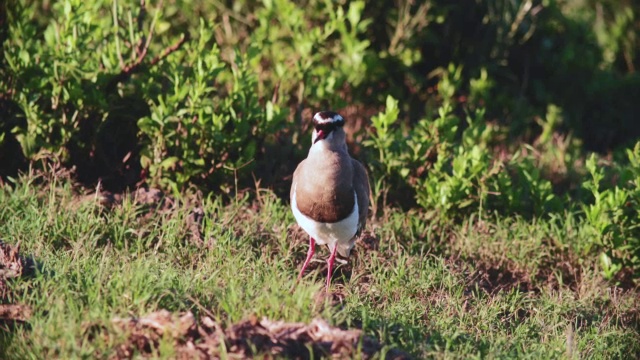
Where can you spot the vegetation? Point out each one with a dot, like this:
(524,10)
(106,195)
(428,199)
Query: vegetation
(500,287)
(500,138)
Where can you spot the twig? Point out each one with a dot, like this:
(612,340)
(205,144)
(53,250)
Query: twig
(222,8)
(142,49)
(169,50)
(115,28)
(134,67)
(142,14)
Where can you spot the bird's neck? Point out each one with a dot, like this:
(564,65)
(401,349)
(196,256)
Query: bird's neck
(324,147)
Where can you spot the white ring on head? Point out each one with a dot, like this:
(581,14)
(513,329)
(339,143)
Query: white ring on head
(321,120)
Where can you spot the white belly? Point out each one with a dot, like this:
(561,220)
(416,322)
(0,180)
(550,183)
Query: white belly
(338,233)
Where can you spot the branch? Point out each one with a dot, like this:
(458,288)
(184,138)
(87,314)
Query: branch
(169,50)
(141,49)
(134,67)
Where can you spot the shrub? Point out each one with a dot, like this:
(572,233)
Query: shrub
(69,78)
(613,216)
(449,164)
(116,90)
(197,127)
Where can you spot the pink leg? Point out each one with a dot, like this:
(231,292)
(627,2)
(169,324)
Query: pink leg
(330,261)
(312,250)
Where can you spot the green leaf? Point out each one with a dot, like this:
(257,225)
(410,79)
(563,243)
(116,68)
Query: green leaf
(354,12)
(169,162)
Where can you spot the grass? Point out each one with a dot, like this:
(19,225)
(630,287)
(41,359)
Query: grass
(485,287)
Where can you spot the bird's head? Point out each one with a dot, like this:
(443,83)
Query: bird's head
(327,126)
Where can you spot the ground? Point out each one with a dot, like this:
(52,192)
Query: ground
(96,274)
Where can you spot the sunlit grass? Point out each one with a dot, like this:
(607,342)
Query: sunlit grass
(498,287)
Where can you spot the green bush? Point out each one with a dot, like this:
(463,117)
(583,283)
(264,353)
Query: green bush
(449,164)
(497,101)
(613,216)
(313,51)
(197,128)
(115,90)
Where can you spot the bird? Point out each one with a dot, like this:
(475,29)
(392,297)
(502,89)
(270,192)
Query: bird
(330,192)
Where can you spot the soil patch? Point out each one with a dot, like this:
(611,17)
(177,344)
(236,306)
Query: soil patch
(493,279)
(13,265)
(206,339)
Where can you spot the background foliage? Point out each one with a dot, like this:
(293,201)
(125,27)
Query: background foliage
(458,108)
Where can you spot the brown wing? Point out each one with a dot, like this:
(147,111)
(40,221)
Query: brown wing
(324,190)
(296,176)
(361,185)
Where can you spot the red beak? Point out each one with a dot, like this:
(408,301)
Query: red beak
(320,135)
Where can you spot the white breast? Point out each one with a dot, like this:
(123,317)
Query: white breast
(339,233)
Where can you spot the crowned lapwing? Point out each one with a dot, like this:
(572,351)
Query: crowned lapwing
(330,191)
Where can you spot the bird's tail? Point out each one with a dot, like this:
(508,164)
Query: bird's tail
(345,248)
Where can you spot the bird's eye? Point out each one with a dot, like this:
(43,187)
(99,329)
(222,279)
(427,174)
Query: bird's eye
(327,128)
